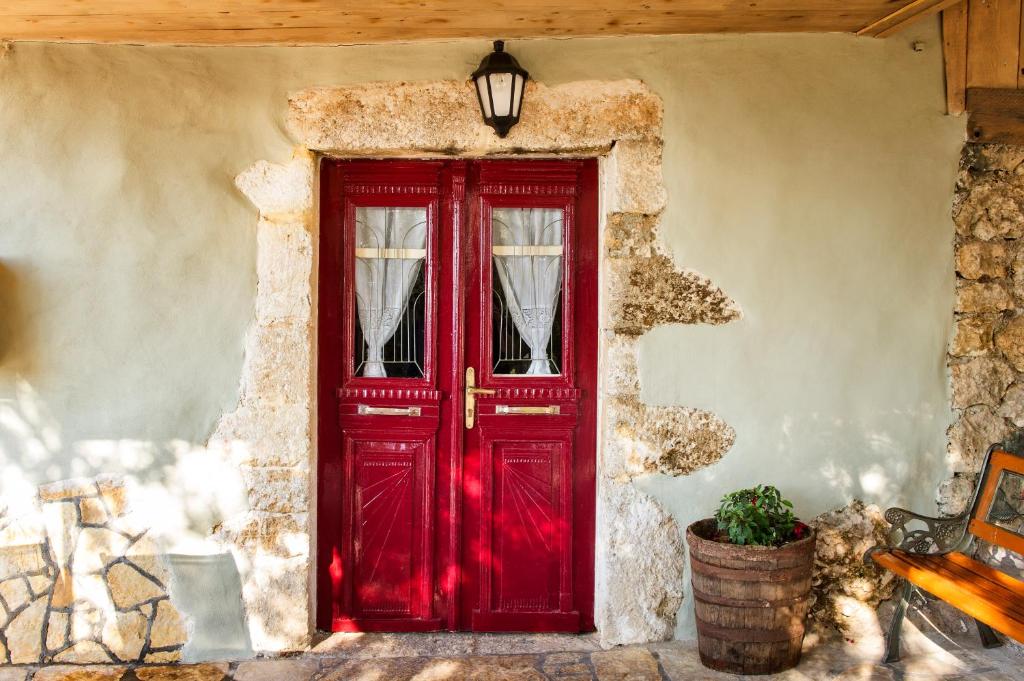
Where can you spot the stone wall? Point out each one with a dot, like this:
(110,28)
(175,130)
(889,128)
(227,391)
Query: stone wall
(82,582)
(986,356)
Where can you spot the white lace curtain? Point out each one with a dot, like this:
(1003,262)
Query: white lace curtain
(527,246)
(390,250)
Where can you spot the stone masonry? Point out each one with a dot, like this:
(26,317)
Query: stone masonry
(986,356)
(81,583)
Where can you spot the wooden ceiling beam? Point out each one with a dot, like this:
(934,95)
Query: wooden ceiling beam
(904,17)
(332,22)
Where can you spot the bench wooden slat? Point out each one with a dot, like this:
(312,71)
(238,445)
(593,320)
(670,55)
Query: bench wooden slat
(968,596)
(970,581)
(988,572)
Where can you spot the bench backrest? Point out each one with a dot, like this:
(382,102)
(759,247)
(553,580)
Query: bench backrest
(997,515)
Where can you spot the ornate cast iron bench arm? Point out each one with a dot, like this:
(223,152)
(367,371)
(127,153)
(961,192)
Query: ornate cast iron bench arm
(938,536)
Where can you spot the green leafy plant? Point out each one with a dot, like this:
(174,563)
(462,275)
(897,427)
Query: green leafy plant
(759,517)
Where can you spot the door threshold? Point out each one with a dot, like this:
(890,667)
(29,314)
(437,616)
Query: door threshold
(365,645)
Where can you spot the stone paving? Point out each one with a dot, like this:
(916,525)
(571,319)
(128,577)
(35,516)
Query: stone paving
(436,657)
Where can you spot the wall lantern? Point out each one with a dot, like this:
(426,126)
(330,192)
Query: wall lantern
(500,82)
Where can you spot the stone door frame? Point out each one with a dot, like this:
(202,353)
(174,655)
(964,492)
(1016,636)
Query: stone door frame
(639,554)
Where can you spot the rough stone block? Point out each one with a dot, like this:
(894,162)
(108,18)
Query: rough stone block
(93,511)
(277,490)
(15,592)
(24,633)
(276,670)
(124,633)
(129,587)
(634,173)
(980,381)
(954,494)
(643,540)
(1010,341)
(974,336)
(278,361)
(284,258)
(277,603)
(168,627)
(978,259)
(970,437)
(95,547)
(1013,405)
(984,297)
(279,189)
(991,209)
(192,672)
(57,630)
(631,235)
(443,117)
(73,673)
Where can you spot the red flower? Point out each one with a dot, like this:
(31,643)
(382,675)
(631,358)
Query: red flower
(800,530)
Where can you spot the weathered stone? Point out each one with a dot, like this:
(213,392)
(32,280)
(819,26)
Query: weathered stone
(124,633)
(991,209)
(980,381)
(71,673)
(954,494)
(266,434)
(93,511)
(276,670)
(16,560)
(83,652)
(18,673)
(621,373)
(164,657)
(276,601)
(1012,406)
(284,258)
(168,627)
(129,587)
(61,519)
(274,534)
(64,490)
(39,584)
(845,588)
(633,172)
(984,297)
(113,495)
(193,672)
(643,540)
(647,292)
(1010,341)
(444,117)
(631,235)
(277,490)
(25,633)
(668,440)
(145,554)
(981,158)
(973,336)
(278,362)
(625,664)
(15,592)
(276,188)
(95,548)
(970,437)
(978,259)
(57,630)
(681,661)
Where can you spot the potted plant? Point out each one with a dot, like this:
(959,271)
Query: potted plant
(751,568)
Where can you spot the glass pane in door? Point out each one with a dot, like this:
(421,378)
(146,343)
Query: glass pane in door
(390,250)
(526,249)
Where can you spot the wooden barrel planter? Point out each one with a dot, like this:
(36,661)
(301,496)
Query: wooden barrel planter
(751,601)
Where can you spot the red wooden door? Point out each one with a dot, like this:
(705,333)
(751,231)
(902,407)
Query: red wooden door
(457,362)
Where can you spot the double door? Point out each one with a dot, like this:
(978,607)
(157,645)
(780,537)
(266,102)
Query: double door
(456,395)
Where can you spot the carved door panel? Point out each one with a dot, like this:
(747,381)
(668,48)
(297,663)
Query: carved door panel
(444,283)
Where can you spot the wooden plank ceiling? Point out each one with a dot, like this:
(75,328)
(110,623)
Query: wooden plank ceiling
(330,22)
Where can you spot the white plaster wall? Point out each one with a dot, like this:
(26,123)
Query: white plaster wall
(809,176)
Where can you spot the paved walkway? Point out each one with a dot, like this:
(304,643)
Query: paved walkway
(436,657)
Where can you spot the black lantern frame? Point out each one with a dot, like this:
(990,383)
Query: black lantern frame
(498,112)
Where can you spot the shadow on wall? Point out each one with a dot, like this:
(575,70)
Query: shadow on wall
(176,495)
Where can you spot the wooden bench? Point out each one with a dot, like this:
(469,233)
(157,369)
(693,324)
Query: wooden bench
(933,554)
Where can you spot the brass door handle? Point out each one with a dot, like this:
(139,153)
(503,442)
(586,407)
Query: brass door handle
(471,392)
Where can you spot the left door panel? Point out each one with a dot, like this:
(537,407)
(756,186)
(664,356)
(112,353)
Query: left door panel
(379,396)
